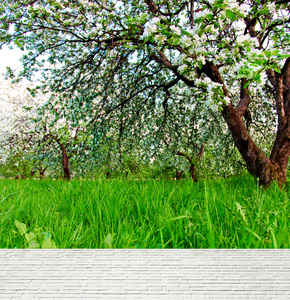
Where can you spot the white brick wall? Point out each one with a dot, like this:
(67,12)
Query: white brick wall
(144,274)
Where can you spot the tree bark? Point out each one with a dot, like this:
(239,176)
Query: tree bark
(65,161)
(41,173)
(265,169)
(178,175)
(192,172)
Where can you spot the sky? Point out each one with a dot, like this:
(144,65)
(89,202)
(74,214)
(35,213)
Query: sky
(9,58)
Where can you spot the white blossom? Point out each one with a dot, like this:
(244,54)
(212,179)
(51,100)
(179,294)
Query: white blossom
(227,99)
(150,29)
(194,30)
(272,7)
(244,9)
(182,68)
(159,38)
(175,29)
(263,78)
(233,5)
(207,80)
(242,38)
(201,59)
(200,50)
(203,13)
(185,41)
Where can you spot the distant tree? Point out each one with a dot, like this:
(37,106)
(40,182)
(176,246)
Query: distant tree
(31,137)
(18,138)
(225,50)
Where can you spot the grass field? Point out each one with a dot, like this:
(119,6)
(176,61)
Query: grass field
(226,213)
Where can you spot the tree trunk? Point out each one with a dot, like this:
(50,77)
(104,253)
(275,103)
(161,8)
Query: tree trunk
(65,162)
(41,174)
(265,169)
(192,172)
(178,175)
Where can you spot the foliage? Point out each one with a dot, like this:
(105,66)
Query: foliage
(36,238)
(31,137)
(139,68)
(19,137)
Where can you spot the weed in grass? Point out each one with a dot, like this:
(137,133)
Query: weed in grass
(36,238)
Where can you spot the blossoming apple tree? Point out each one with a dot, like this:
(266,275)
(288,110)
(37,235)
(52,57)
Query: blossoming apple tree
(228,51)
(28,140)
(18,137)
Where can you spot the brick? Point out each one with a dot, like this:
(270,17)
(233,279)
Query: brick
(142,274)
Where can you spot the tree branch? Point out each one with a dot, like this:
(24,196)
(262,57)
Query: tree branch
(282,119)
(286,66)
(164,60)
(156,10)
(171,84)
(152,7)
(245,99)
(250,26)
(270,27)
(201,151)
(271,76)
(213,73)
(282,1)
(185,155)
(273,80)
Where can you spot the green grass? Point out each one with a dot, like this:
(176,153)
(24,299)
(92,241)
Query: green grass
(228,213)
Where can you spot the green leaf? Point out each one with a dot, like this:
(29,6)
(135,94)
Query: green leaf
(166,32)
(275,52)
(48,243)
(216,25)
(242,212)
(219,4)
(260,62)
(230,14)
(21,227)
(30,236)
(173,41)
(33,245)
(257,77)
(209,16)
(284,55)
(268,53)
(198,20)
(109,240)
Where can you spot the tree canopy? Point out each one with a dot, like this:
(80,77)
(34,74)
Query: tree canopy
(127,61)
